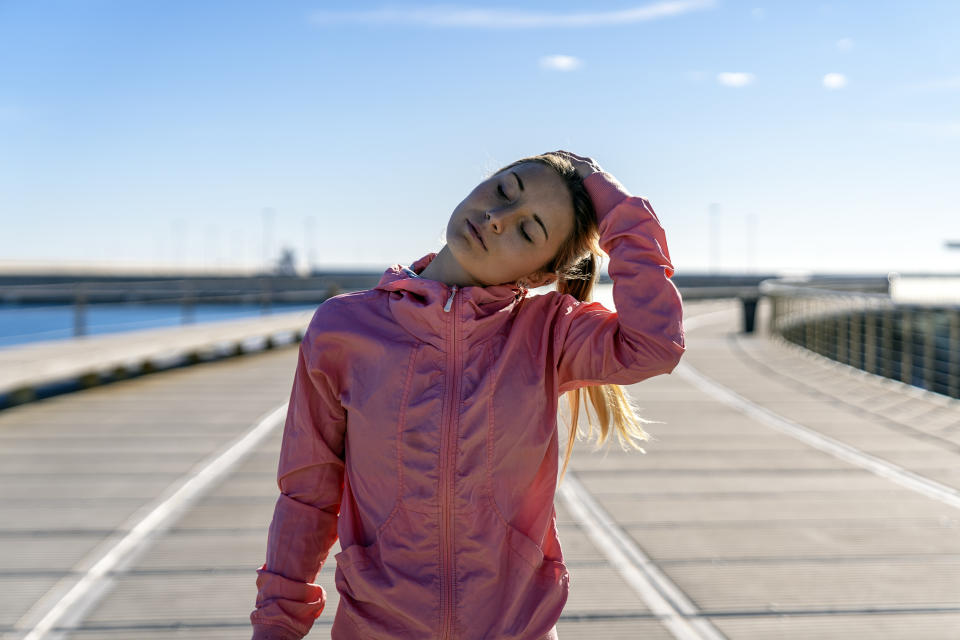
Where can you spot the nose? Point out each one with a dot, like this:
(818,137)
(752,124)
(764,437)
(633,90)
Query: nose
(498,219)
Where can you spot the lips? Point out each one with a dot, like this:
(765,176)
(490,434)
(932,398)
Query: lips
(476,234)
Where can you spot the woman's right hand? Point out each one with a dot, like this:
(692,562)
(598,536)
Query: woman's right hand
(584,166)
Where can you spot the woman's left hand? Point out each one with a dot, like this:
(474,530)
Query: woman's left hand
(584,166)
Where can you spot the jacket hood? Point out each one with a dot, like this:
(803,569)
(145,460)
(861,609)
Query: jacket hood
(418,303)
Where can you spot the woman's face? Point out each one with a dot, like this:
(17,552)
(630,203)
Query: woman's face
(511,224)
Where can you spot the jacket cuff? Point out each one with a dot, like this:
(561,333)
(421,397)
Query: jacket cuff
(273,632)
(605,191)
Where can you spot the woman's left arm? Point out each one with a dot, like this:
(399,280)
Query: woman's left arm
(310,477)
(644,337)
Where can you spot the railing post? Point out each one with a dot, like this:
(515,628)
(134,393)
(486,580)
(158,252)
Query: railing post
(830,329)
(80,311)
(825,328)
(749,313)
(774,310)
(855,343)
(841,336)
(815,320)
(886,332)
(802,323)
(953,348)
(870,350)
(906,348)
(930,349)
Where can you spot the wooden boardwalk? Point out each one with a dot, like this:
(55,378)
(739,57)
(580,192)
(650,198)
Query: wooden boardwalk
(783,497)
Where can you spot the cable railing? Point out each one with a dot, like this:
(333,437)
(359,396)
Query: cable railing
(916,344)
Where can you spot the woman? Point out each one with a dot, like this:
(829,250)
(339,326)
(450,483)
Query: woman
(422,425)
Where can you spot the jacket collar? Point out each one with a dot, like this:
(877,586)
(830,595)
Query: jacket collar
(418,304)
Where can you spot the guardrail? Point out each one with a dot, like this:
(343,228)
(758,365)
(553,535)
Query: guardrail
(85,295)
(186,293)
(914,343)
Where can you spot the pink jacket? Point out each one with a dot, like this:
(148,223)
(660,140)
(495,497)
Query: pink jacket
(426,415)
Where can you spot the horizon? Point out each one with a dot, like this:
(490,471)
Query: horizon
(115,268)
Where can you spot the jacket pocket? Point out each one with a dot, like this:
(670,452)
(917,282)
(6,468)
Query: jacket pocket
(353,555)
(532,554)
(533,591)
(390,583)
(524,547)
(358,579)
(353,570)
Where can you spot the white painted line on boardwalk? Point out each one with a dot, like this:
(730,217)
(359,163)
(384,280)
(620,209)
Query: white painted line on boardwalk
(666,601)
(703,319)
(884,469)
(71,608)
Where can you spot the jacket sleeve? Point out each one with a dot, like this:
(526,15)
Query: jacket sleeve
(644,337)
(310,477)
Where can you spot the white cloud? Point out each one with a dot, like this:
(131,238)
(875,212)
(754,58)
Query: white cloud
(446,16)
(845,44)
(560,63)
(735,79)
(834,81)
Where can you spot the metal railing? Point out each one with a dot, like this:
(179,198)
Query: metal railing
(916,344)
(82,296)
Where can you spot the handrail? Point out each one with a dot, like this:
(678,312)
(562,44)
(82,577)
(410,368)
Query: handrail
(915,343)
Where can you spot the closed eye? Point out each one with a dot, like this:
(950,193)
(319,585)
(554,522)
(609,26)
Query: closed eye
(523,231)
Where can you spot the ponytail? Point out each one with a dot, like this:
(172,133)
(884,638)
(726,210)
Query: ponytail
(610,404)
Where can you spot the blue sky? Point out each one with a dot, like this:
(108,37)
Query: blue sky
(211,134)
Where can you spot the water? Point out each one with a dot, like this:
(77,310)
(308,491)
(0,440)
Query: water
(24,323)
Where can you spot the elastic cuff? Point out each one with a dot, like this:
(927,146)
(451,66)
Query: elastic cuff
(274,632)
(605,191)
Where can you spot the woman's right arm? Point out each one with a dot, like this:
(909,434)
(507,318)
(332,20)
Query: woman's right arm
(310,477)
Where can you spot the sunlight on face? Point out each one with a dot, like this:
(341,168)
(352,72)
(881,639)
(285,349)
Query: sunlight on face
(511,224)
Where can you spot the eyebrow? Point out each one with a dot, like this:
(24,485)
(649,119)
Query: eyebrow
(535,216)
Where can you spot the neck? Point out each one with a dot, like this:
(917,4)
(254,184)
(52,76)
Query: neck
(445,268)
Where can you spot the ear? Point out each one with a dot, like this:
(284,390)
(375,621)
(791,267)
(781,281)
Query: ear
(535,280)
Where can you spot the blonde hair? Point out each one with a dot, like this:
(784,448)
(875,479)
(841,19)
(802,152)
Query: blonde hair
(577,266)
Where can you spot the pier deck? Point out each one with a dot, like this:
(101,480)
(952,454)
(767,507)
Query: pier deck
(783,497)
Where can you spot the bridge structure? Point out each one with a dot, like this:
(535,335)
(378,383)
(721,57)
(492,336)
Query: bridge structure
(785,494)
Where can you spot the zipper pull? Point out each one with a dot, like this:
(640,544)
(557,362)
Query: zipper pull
(453,292)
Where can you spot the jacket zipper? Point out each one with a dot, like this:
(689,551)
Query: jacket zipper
(453,292)
(448,456)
